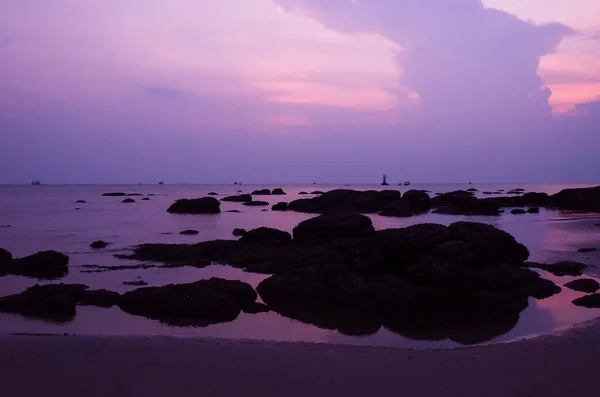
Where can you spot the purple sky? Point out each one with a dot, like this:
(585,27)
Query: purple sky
(274,91)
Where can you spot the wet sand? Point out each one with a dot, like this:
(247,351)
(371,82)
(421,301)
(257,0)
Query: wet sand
(555,365)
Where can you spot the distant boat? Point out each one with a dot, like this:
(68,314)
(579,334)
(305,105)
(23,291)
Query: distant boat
(35,183)
(160,183)
(406,183)
(384,182)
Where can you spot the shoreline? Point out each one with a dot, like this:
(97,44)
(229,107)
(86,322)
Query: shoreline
(557,364)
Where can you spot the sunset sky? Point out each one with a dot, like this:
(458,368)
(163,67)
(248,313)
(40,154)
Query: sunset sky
(266,91)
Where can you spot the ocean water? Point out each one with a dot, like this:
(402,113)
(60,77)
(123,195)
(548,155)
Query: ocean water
(35,218)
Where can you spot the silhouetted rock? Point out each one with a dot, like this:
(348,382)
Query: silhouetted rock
(417,200)
(5,226)
(189,232)
(280,207)
(120,194)
(128,200)
(42,265)
(343,200)
(5,258)
(135,194)
(262,192)
(145,199)
(463,203)
(265,210)
(591,301)
(205,205)
(401,209)
(317,192)
(518,211)
(239,232)
(278,192)
(81,201)
(586,250)
(565,268)
(533,210)
(303,193)
(584,285)
(472,190)
(201,303)
(98,244)
(242,198)
(334,226)
(213,194)
(585,199)
(255,308)
(265,234)
(255,204)
(137,283)
(100,298)
(234,211)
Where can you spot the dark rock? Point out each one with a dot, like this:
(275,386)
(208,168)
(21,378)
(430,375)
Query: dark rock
(135,194)
(518,211)
(564,268)
(201,303)
(100,298)
(189,232)
(535,199)
(489,244)
(463,203)
(586,199)
(5,258)
(114,194)
(334,226)
(417,200)
(145,199)
(213,194)
(256,204)
(280,207)
(5,226)
(343,200)
(265,210)
(472,190)
(303,193)
(533,210)
(278,192)
(81,201)
(98,244)
(128,200)
(242,198)
(584,285)
(586,250)
(205,205)
(265,234)
(262,192)
(233,211)
(317,192)
(138,283)
(54,302)
(590,301)
(401,209)
(239,232)
(42,265)
(255,308)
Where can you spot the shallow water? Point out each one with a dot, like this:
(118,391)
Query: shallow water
(46,217)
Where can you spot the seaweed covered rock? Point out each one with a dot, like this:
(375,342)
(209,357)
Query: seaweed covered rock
(205,205)
(265,234)
(200,303)
(42,265)
(333,226)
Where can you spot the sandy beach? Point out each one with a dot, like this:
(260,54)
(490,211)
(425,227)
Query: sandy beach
(553,365)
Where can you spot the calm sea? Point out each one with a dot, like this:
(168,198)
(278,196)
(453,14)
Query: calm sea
(35,218)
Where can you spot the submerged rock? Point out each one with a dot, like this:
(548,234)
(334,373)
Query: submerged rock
(278,192)
(262,192)
(234,211)
(280,207)
(42,265)
(201,303)
(303,193)
(99,244)
(584,285)
(81,201)
(205,205)
(242,198)
(590,301)
(119,194)
(239,232)
(128,200)
(565,268)
(265,234)
(189,233)
(256,204)
(586,250)
(334,226)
